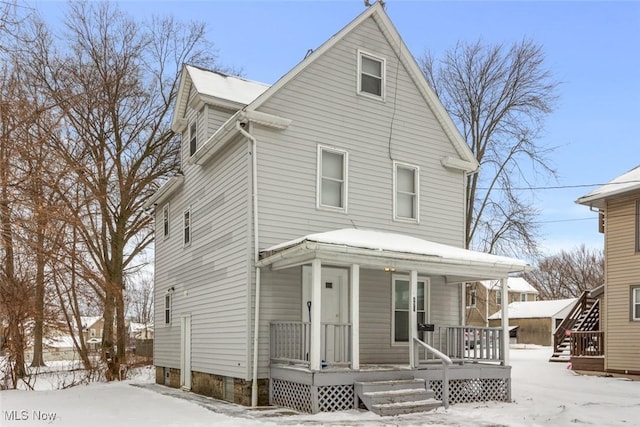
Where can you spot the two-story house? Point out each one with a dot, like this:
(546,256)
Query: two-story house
(313,241)
(485,298)
(618,204)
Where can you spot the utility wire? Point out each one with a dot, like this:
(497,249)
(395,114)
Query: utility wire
(562,187)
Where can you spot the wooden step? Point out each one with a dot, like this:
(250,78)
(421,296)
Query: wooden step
(409,407)
(393,397)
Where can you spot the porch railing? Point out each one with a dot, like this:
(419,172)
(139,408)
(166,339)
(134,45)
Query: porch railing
(291,343)
(446,362)
(589,343)
(466,343)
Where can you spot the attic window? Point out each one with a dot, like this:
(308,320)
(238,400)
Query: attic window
(193,138)
(371,75)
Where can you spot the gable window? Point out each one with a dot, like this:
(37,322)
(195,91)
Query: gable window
(165,221)
(332,178)
(406,179)
(635,303)
(193,138)
(167,308)
(400,320)
(186,224)
(371,75)
(523,297)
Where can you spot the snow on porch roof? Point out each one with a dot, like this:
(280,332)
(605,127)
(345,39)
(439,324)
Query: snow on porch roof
(394,247)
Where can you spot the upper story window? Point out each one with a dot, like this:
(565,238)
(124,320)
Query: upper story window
(371,75)
(165,221)
(635,303)
(406,192)
(186,224)
(499,296)
(167,308)
(523,297)
(193,138)
(400,329)
(472,298)
(332,178)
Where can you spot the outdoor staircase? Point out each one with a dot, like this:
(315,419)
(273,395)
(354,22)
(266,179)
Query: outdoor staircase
(584,316)
(395,397)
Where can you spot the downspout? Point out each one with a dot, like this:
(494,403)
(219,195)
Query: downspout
(256,324)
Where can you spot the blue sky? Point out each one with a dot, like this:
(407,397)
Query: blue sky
(593,48)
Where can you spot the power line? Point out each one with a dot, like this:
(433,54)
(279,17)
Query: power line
(562,187)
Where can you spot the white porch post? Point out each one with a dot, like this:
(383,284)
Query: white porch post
(413,317)
(505,320)
(316,310)
(355,316)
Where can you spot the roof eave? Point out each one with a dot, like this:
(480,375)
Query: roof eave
(164,191)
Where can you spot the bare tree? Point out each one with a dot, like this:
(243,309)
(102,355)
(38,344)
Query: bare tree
(568,274)
(116,82)
(498,97)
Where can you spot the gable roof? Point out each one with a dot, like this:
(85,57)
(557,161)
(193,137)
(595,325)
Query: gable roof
(537,309)
(467,160)
(514,284)
(377,249)
(625,183)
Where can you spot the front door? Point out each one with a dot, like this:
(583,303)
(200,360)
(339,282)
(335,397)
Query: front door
(334,311)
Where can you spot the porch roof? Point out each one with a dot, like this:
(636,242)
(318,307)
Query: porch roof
(380,250)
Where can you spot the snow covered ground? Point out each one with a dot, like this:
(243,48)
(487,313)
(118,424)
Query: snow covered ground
(544,394)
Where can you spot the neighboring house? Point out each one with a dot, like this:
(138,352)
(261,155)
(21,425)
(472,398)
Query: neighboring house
(485,298)
(314,224)
(536,321)
(618,203)
(140,331)
(92,329)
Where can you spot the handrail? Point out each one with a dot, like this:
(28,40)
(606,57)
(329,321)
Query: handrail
(570,320)
(446,361)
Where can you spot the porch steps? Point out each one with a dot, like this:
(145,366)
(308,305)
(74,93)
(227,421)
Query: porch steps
(395,397)
(588,320)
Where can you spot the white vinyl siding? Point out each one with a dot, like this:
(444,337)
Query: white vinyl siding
(400,317)
(371,75)
(165,221)
(635,303)
(193,137)
(406,192)
(332,178)
(186,227)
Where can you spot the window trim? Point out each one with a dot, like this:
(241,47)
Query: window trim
(187,227)
(499,296)
(168,303)
(193,137)
(425,310)
(166,229)
(633,301)
(523,297)
(345,179)
(383,77)
(473,298)
(416,189)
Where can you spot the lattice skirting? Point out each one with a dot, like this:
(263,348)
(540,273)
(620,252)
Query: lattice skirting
(291,395)
(474,390)
(335,398)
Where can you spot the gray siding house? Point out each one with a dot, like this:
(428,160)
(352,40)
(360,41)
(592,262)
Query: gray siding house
(313,239)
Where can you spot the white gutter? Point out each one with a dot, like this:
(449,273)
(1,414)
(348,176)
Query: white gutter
(166,189)
(256,325)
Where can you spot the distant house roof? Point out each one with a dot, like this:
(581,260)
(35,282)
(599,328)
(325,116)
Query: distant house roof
(89,321)
(514,284)
(537,309)
(627,182)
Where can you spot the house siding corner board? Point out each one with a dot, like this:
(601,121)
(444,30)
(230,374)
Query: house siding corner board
(325,109)
(623,271)
(210,275)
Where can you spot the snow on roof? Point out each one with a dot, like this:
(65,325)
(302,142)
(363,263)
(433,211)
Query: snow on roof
(514,284)
(89,321)
(136,327)
(384,241)
(63,341)
(628,181)
(225,86)
(536,309)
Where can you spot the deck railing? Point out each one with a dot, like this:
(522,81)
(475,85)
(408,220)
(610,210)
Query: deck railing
(291,343)
(589,343)
(446,362)
(467,343)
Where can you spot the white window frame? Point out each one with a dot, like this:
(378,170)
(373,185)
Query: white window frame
(416,195)
(473,298)
(425,309)
(165,221)
(345,179)
(499,296)
(635,303)
(187,227)
(523,297)
(383,77)
(193,137)
(168,301)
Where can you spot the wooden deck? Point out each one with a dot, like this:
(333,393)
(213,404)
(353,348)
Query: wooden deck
(587,363)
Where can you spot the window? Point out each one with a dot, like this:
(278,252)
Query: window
(167,308)
(406,192)
(165,221)
(92,333)
(187,226)
(400,321)
(499,296)
(635,303)
(472,298)
(193,138)
(332,178)
(371,75)
(523,297)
